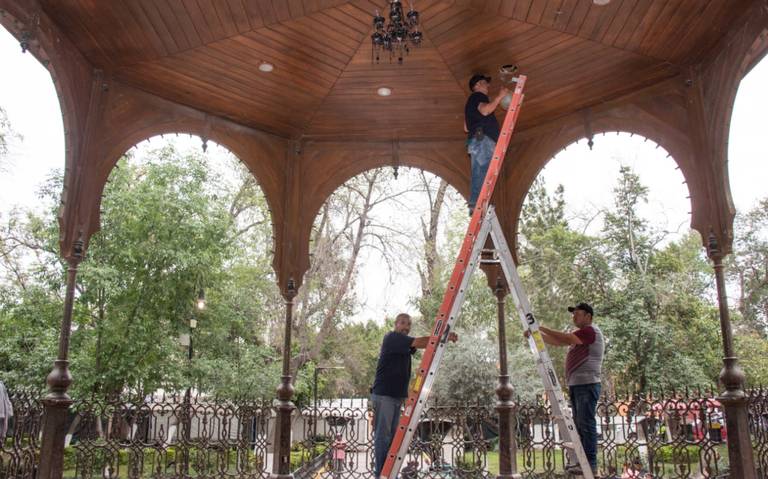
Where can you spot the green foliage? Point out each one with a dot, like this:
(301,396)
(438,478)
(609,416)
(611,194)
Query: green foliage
(169,228)
(748,267)
(7,134)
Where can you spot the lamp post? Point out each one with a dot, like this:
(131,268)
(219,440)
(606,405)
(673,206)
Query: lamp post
(314,419)
(187,436)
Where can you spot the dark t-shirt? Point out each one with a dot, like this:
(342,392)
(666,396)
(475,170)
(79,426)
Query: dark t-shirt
(394,369)
(489,124)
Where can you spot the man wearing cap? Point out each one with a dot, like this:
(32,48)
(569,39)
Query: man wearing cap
(583,365)
(482,129)
(390,387)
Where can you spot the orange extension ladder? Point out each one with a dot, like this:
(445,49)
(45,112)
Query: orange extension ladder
(482,224)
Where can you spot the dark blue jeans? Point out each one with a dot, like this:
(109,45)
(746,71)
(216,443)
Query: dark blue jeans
(584,404)
(481,152)
(386,415)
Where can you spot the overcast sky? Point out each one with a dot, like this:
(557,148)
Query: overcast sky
(28,96)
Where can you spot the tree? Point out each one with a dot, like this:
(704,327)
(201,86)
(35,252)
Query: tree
(748,267)
(656,302)
(169,228)
(7,135)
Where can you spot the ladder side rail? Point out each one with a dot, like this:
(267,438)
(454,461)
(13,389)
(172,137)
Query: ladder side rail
(544,362)
(412,413)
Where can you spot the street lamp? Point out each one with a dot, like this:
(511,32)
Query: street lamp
(200,300)
(314,420)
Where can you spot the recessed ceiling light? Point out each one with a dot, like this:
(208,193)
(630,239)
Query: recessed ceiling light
(601,2)
(266,67)
(384,91)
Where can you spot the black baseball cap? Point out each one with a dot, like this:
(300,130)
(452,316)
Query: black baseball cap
(476,78)
(582,306)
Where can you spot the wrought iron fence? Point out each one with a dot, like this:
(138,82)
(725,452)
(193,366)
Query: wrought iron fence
(20,441)
(680,436)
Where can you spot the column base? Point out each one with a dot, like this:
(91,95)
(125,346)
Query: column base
(740,452)
(54,431)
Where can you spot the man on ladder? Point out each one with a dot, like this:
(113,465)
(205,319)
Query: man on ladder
(583,366)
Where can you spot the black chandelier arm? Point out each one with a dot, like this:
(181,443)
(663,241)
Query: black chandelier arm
(395,36)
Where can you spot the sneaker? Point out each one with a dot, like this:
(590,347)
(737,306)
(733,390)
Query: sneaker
(573,469)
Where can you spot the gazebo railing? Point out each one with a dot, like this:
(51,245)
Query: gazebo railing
(676,436)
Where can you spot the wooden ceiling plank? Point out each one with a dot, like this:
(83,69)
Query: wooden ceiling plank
(272,101)
(690,43)
(239,15)
(97,51)
(515,49)
(551,13)
(152,13)
(311,6)
(536,11)
(287,35)
(168,79)
(689,13)
(310,79)
(668,15)
(436,22)
(342,17)
(632,23)
(646,23)
(186,25)
(302,89)
(605,20)
(295,8)
(282,12)
(279,54)
(567,7)
(226,18)
(199,23)
(619,22)
(493,6)
(357,13)
(172,23)
(569,70)
(578,16)
(211,17)
(137,42)
(140,17)
(507,8)
(521,10)
(463,41)
(457,25)
(253,11)
(268,13)
(328,27)
(591,20)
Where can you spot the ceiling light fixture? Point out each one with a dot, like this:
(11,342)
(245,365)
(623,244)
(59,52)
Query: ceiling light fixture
(395,37)
(266,67)
(384,91)
(601,2)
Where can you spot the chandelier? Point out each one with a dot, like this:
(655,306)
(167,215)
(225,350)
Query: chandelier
(395,37)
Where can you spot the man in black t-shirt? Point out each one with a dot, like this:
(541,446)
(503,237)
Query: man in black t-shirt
(390,388)
(482,129)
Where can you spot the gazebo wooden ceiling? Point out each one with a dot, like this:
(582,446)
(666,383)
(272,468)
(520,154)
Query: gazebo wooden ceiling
(128,70)
(205,54)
